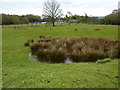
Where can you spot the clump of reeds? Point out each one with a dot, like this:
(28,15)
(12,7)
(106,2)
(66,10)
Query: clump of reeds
(79,49)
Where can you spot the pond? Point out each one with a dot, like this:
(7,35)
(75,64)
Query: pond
(36,59)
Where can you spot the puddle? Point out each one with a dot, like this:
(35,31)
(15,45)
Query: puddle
(35,59)
(68,60)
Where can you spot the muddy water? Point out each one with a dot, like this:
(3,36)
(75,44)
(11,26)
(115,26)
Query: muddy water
(35,59)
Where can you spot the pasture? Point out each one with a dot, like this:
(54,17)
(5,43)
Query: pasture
(19,72)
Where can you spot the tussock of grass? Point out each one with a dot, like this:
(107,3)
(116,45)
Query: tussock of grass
(79,49)
(28,42)
(104,60)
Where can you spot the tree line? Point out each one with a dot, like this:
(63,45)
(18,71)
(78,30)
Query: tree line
(112,18)
(17,19)
(25,19)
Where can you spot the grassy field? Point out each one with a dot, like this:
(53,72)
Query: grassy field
(20,72)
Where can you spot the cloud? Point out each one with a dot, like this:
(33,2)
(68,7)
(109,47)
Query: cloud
(92,7)
(21,5)
(25,1)
(64,2)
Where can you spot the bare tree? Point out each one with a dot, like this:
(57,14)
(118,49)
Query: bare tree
(52,9)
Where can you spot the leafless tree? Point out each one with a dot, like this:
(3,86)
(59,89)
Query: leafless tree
(52,9)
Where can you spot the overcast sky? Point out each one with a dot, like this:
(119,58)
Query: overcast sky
(79,7)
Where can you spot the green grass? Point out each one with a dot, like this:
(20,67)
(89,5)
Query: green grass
(20,72)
